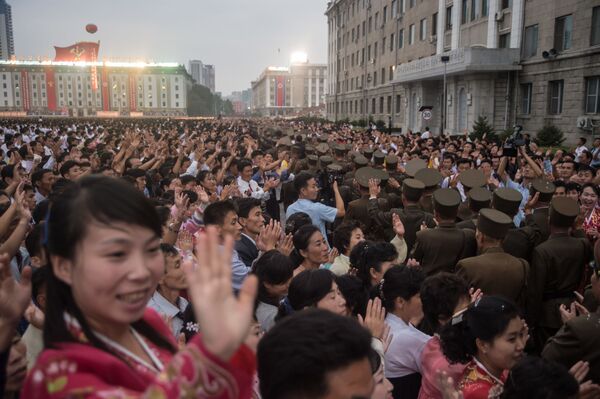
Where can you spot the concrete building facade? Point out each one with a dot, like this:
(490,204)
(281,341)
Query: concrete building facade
(7,44)
(88,89)
(286,91)
(203,74)
(388,59)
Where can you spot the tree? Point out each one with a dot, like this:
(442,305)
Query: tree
(550,136)
(200,101)
(227,108)
(482,128)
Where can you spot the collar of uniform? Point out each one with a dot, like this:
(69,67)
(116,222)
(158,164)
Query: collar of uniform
(412,207)
(447,225)
(492,250)
(559,235)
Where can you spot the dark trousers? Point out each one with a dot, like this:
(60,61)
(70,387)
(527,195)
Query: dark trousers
(406,387)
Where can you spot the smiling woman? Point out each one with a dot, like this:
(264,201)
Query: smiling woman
(103,239)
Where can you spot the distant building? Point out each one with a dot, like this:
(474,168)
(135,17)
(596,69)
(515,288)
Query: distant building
(67,88)
(7,44)
(203,74)
(286,91)
(241,100)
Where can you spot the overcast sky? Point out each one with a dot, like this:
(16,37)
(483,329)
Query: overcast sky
(240,37)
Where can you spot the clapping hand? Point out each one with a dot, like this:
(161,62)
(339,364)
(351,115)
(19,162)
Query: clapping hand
(223,318)
(14,299)
(374,319)
(374,188)
(576,309)
(398,225)
(269,236)
(286,244)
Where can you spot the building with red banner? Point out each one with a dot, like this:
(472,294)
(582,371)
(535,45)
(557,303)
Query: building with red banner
(283,91)
(93,88)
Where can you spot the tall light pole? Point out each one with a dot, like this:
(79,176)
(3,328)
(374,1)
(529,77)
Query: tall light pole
(444,59)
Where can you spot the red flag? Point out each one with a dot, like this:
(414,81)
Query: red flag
(105,104)
(50,89)
(25,90)
(280,82)
(132,93)
(82,51)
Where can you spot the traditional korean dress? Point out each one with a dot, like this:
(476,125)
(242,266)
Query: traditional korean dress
(478,383)
(79,370)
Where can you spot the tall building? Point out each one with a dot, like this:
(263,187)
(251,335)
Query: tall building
(7,45)
(93,88)
(298,89)
(203,74)
(388,59)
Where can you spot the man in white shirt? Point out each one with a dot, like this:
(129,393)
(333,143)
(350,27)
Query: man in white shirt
(167,300)
(426,134)
(580,148)
(249,187)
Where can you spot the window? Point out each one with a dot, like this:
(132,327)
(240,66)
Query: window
(401,38)
(504,41)
(382,75)
(484,8)
(464,12)
(556,97)
(397,103)
(381,105)
(369,52)
(530,41)
(383,46)
(412,3)
(391,73)
(376,20)
(563,30)
(394,8)
(434,21)
(370,24)
(384,15)
(449,18)
(389,104)
(473,9)
(363,29)
(595,40)
(423,29)
(401,5)
(375,78)
(592,95)
(526,98)
(373,105)
(375,47)
(506,4)
(411,34)
(392,42)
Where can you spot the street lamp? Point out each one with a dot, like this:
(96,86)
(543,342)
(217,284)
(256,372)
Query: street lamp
(444,59)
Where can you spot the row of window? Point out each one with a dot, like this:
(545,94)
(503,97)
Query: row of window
(374,105)
(555,96)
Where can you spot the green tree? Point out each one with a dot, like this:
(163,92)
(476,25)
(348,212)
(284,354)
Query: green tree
(483,128)
(550,136)
(200,101)
(227,108)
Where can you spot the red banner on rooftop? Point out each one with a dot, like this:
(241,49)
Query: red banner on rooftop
(82,51)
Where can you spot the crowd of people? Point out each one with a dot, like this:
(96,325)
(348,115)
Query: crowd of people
(283,259)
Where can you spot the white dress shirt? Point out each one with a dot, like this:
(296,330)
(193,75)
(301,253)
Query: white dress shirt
(166,308)
(403,356)
(252,189)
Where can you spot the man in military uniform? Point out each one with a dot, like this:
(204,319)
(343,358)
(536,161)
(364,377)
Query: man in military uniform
(358,209)
(432,179)
(440,249)
(411,215)
(538,213)
(557,270)
(519,241)
(378,159)
(494,271)
(469,179)
(479,198)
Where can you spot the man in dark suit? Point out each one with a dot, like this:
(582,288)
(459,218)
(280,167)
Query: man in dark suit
(440,249)
(479,198)
(357,209)
(432,179)
(557,270)
(494,271)
(251,219)
(538,214)
(411,215)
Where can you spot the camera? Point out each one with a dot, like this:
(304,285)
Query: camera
(512,144)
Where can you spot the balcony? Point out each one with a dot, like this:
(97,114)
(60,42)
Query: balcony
(462,60)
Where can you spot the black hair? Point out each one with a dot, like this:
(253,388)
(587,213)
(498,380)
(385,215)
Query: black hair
(135,173)
(296,356)
(164,213)
(571,185)
(186,179)
(367,255)
(273,268)
(560,183)
(461,161)
(537,378)
(295,221)
(592,186)
(301,180)
(245,205)
(216,212)
(67,166)
(202,175)
(301,240)
(343,234)
(33,241)
(192,196)
(39,280)
(7,171)
(38,175)
(242,163)
(400,281)
(306,290)
(440,294)
(354,293)
(485,319)
(104,200)
(168,249)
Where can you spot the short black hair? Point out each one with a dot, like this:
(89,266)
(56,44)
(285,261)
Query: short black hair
(400,282)
(38,175)
(187,179)
(245,205)
(301,180)
(371,254)
(297,354)
(537,378)
(295,221)
(67,166)
(39,279)
(343,234)
(215,213)
(242,163)
(135,173)
(168,249)
(440,294)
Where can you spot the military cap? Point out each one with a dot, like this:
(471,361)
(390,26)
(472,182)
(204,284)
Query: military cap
(379,157)
(323,148)
(382,175)
(563,211)
(446,200)
(430,177)
(391,161)
(323,138)
(285,141)
(479,198)
(413,166)
(353,154)
(363,175)
(340,148)
(545,187)
(493,223)
(334,168)
(412,189)
(368,153)
(325,160)
(472,178)
(313,159)
(309,149)
(361,161)
(507,200)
